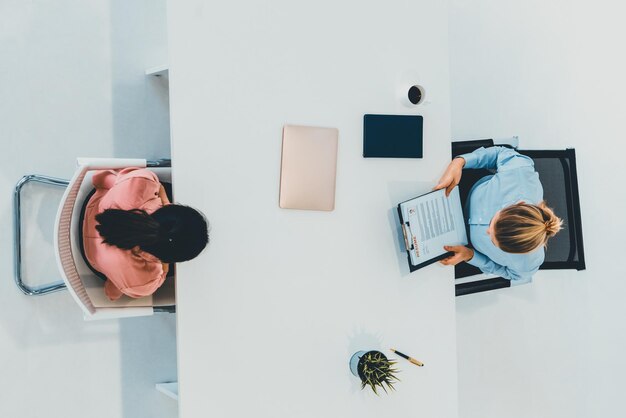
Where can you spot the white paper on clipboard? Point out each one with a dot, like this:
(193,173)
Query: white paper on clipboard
(434,220)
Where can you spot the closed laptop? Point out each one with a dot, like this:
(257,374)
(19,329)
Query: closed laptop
(308,168)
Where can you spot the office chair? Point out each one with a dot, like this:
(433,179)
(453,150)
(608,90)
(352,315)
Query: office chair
(78,277)
(557,173)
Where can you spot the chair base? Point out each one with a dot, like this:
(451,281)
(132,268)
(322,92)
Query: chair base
(17,231)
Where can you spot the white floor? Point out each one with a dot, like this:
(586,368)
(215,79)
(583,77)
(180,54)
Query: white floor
(551,73)
(72,84)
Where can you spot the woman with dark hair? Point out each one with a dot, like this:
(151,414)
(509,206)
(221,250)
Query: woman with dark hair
(131,232)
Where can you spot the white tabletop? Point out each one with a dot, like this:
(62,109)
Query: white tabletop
(270,313)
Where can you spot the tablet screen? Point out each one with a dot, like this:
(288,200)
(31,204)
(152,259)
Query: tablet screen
(392,136)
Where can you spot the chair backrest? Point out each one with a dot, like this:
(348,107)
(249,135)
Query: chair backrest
(83,284)
(558,176)
(63,244)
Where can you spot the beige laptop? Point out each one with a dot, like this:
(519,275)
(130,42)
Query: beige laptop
(308,168)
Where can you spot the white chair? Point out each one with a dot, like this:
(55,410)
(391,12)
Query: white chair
(84,285)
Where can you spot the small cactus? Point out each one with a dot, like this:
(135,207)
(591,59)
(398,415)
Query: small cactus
(376,371)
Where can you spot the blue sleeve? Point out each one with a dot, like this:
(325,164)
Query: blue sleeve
(500,158)
(487,266)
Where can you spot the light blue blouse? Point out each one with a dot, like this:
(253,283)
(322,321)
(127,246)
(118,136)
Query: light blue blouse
(516,180)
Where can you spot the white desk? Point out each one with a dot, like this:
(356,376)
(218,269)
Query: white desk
(270,314)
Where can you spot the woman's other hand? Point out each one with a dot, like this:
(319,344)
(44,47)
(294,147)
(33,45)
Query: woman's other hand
(461,253)
(452,176)
(163,196)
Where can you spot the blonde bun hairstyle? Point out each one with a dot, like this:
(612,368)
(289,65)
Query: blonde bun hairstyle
(523,227)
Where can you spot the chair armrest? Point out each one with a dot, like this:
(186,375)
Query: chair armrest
(110,163)
(481,286)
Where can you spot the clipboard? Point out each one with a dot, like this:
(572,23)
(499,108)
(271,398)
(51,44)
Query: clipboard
(410,240)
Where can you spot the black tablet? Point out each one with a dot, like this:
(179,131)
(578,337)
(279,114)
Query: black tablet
(392,136)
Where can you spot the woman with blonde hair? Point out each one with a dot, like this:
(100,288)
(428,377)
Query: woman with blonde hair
(509,223)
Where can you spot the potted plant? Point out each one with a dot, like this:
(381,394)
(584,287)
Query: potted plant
(374,369)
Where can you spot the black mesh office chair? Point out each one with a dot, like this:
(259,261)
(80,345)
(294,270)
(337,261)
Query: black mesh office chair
(557,173)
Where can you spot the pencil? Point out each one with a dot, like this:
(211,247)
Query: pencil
(411,359)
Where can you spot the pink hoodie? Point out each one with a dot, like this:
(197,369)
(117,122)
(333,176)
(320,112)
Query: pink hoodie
(131,272)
